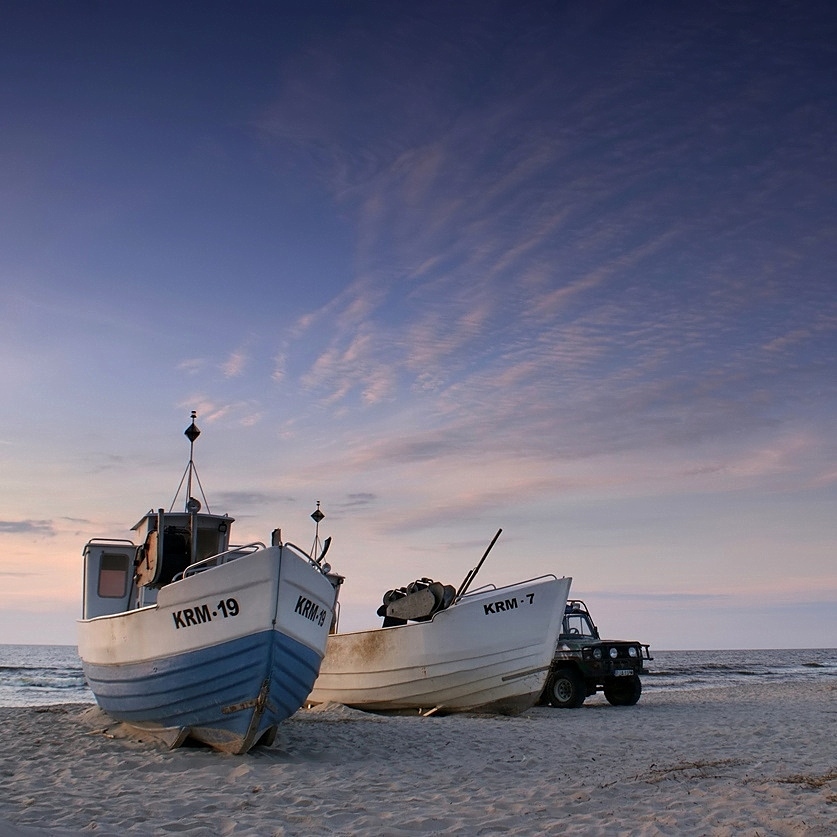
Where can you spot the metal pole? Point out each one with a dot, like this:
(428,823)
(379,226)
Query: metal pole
(472,574)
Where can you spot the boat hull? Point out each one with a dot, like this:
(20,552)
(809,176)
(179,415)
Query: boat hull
(490,652)
(222,657)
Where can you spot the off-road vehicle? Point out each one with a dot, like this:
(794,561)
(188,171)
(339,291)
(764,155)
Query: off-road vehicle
(585,664)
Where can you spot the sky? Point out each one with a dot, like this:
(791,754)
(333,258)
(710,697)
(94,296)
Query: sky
(562,269)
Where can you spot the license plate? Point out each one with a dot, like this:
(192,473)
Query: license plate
(623,672)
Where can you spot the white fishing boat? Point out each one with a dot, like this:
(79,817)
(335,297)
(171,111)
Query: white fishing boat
(187,636)
(446,650)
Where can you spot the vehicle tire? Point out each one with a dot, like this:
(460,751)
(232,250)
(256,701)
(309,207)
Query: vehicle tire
(566,689)
(623,691)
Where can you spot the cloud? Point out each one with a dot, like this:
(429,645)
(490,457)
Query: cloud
(27,527)
(209,410)
(234,365)
(105,462)
(251,419)
(361,498)
(353,365)
(206,410)
(353,503)
(553,270)
(191,366)
(668,599)
(280,361)
(246,499)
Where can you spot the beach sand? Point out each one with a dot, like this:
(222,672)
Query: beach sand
(753,760)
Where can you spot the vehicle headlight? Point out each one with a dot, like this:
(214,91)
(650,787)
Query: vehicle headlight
(597,653)
(632,651)
(613,653)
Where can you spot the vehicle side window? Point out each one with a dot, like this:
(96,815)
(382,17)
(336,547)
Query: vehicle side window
(113,575)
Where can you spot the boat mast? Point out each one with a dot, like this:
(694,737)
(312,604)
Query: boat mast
(192,505)
(316,516)
(191,433)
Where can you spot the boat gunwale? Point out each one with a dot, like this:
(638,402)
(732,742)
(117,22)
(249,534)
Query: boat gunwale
(468,597)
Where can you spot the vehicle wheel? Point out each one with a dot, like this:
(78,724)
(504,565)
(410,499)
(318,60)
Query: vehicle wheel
(566,689)
(624,691)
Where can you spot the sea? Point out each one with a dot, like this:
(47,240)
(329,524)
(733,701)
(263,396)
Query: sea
(41,675)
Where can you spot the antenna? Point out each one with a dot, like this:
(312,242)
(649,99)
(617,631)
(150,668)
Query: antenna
(316,516)
(192,505)
(191,433)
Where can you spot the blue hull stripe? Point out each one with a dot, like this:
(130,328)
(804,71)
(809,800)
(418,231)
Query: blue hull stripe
(203,688)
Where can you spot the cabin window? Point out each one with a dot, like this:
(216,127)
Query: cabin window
(113,575)
(209,542)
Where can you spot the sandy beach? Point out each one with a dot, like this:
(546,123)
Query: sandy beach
(754,760)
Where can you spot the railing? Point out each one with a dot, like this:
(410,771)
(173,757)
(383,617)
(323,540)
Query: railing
(111,542)
(238,552)
(486,588)
(303,554)
(220,558)
(493,588)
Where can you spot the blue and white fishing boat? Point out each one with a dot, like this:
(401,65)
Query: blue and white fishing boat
(187,636)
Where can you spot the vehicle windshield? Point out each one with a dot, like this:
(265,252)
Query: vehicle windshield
(579,624)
